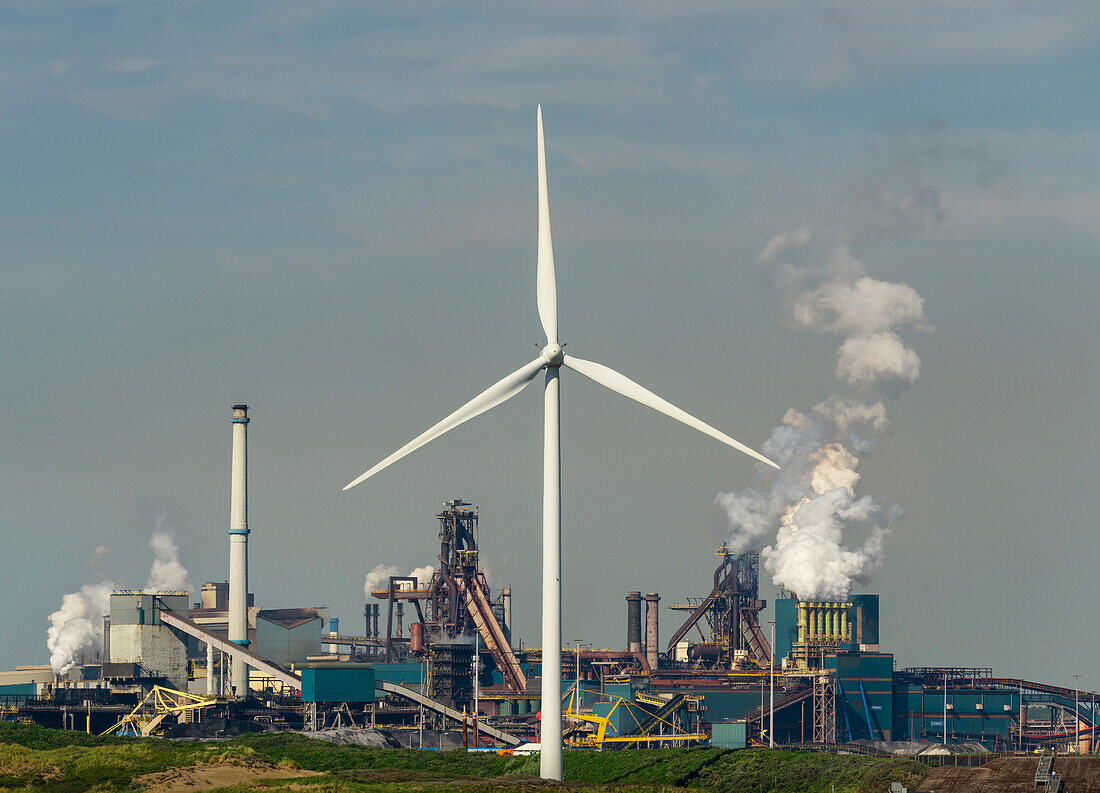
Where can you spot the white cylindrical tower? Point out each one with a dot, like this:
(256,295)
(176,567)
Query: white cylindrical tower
(238,548)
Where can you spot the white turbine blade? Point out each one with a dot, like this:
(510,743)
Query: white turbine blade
(489,398)
(628,388)
(545,280)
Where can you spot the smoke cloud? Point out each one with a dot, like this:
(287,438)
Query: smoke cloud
(379,577)
(811,503)
(899,200)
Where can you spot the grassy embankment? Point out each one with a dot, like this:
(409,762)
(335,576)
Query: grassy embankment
(33,758)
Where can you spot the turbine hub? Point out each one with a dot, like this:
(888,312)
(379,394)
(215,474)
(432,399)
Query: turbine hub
(553,355)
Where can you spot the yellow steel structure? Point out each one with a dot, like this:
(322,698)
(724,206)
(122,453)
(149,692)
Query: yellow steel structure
(597,738)
(159,703)
(589,740)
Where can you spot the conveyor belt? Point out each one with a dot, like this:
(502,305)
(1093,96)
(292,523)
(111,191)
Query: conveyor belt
(235,651)
(439,707)
(493,635)
(661,715)
(784,702)
(240,653)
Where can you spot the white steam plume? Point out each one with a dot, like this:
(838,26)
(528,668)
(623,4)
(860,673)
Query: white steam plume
(76,629)
(379,577)
(811,502)
(423,575)
(167,573)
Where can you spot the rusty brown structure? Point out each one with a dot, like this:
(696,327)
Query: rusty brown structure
(652,635)
(730,612)
(455,604)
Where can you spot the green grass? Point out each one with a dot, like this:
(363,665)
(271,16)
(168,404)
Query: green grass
(807,772)
(38,759)
(41,759)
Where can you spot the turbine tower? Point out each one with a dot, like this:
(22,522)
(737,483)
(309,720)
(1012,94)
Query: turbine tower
(552,359)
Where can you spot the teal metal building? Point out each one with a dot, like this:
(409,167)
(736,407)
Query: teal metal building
(864,695)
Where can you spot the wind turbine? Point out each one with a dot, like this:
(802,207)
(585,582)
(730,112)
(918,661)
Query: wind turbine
(552,358)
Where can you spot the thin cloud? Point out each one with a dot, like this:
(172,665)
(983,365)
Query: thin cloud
(131,65)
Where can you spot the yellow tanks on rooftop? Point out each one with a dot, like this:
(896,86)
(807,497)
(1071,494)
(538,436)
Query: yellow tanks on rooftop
(824,623)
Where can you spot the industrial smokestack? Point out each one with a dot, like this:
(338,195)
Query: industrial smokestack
(651,637)
(238,547)
(634,622)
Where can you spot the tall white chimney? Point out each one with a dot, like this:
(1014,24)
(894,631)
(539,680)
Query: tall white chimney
(238,547)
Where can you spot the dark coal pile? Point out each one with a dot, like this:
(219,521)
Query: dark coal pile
(217,727)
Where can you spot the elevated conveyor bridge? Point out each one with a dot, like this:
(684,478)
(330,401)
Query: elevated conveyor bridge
(271,669)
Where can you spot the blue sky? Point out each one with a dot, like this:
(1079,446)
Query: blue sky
(327,211)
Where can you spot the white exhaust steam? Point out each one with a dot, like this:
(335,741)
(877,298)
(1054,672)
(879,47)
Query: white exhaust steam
(76,629)
(423,575)
(167,573)
(811,502)
(379,577)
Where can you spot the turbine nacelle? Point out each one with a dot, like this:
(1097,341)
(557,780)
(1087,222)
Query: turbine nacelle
(554,355)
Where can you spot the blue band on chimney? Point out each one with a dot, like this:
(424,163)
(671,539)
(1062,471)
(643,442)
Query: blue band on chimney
(239,531)
(239,421)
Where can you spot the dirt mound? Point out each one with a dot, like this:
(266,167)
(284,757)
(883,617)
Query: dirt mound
(1014,775)
(206,777)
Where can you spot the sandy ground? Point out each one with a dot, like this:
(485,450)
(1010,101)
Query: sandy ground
(1014,775)
(205,777)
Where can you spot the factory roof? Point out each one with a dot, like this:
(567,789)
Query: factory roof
(289,618)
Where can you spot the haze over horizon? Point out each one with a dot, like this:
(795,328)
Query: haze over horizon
(328,212)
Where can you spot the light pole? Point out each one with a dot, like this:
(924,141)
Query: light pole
(945,708)
(577,684)
(1076,716)
(771,690)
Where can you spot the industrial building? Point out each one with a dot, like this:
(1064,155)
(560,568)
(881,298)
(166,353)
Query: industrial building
(435,653)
